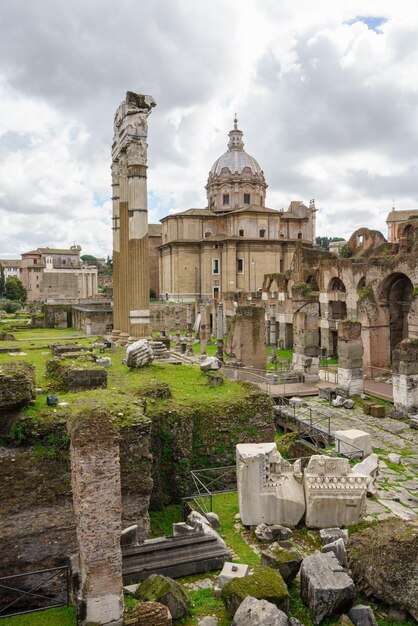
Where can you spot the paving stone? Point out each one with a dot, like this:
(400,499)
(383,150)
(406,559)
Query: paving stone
(399,510)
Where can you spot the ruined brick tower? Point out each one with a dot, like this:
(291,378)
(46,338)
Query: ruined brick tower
(131,315)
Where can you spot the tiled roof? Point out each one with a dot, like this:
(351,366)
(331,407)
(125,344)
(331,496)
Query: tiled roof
(10,263)
(398,216)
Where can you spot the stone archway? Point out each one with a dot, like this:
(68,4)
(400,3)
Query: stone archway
(396,293)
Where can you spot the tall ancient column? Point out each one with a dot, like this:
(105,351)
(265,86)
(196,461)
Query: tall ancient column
(130,217)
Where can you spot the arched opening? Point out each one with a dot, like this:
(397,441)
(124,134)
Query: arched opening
(336,284)
(396,294)
(337,306)
(361,283)
(299,235)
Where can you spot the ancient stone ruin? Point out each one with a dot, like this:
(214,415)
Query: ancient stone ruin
(95,477)
(246,342)
(272,491)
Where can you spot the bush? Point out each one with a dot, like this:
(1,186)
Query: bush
(345,251)
(10,306)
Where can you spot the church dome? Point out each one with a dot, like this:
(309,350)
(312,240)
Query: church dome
(235,158)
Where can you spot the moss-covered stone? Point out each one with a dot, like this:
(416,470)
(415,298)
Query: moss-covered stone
(286,559)
(17,384)
(158,588)
(384,563)
(264,584)
(154,388)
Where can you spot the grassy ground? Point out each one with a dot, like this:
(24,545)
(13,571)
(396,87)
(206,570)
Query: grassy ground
(63,616)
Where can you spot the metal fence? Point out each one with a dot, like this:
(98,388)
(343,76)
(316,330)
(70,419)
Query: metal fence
(25,593)
(207,482)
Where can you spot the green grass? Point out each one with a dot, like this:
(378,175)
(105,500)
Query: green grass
(203,602)
(226,506)
(63,616)
(162,521)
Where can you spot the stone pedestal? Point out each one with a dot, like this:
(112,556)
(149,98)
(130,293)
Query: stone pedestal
(95,478)
(270,489)
(350,357)
(246,338)
(405,376)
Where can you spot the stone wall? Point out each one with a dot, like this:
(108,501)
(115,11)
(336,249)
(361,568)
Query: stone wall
(75,375)
(17,385)
(193,436)
(246,341)
(161,312)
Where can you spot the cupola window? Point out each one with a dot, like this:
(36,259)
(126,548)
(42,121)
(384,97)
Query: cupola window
(225,199)
(246,198)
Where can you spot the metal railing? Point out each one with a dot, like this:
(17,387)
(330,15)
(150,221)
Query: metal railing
(207,482)
(378,374)
(33,591)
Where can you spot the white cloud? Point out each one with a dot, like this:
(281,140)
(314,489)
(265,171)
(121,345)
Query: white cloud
(326,101)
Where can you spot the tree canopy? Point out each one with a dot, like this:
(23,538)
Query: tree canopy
(325,241)
(14,289)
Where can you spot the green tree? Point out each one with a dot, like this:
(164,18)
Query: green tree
(325,241)
(14,289)
(345,251)
(2,280)
(89,259)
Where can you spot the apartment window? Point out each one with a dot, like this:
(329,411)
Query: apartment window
(225,199)
(262,233)
(216,292)
(241,232)
(246,198)
(215,266)
(240,266)
(35,261)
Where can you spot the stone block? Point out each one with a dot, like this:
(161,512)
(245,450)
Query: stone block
(326,588)
(129,536)
(263,584)
(377,410)
(348,442)
(210,363)
(149,614)
(139,354)
(283,557)
(230,571)
(394,458)
(158,588)
(338,548)
(351,380)
(269,488)
(335,495)
(370,468)
(362,615)
(214,379)
(253,612)
(328,535)
(349,330)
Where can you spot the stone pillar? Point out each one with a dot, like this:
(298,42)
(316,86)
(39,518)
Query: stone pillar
(178,340)
(130,217)
(273,339)
(306,341)
(96,487)
(350,357)
(220,332)
(405,376)
(246,338)
(189,350)
(203,330)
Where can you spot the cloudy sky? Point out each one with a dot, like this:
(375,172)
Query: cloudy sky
(326,94)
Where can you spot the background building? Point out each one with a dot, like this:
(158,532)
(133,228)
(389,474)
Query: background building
(232,243)
(11,268)
(51,275)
